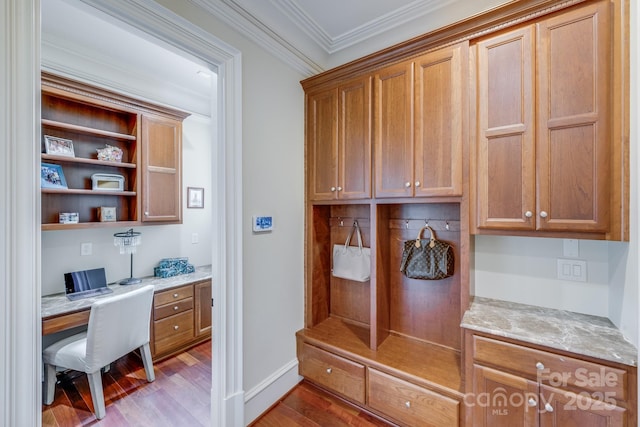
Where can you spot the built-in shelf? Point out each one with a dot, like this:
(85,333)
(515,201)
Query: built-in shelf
(88,192)
(55,158)
(55,226)
(87,130)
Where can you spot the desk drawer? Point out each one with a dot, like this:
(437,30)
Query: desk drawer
(173,308)
(550,368)
(172,295)
(173,331)
(333,372)
(410,404)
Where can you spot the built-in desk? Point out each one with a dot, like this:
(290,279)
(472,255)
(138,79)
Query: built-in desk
(181,313)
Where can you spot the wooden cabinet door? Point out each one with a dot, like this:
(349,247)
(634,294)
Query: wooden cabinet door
(393,130)
(505,136)
(573,120)
(440,118)
(503,400)
(559,408)
(322,143)
(161,169)
(202,292)
(354,139)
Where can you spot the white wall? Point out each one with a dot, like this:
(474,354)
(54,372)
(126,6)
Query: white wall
(61,249)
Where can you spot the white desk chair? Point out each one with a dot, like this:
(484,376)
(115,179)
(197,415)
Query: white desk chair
(117,326)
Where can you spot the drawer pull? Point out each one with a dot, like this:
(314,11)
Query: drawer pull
(407,404)
(548,407)
(176,308)
(329,370)
(532,402)
(175,295)
(176,327)
(539,366)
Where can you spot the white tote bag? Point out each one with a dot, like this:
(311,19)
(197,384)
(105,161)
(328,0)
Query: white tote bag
(352,262)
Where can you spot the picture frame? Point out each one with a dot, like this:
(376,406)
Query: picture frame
(195,197)
(51,176)
(58,146)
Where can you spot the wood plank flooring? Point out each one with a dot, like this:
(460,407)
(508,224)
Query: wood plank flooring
(180,395)
(307,405)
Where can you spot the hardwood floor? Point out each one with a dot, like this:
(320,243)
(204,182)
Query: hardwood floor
(307,405)
(180,395)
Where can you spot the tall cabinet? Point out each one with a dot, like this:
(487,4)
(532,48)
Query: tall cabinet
(504,124)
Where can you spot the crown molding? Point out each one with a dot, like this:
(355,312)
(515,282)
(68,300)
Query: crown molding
(239,18)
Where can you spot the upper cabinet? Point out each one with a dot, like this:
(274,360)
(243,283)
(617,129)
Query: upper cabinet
(543,145)
(339,141)
(105,150)
(420,124)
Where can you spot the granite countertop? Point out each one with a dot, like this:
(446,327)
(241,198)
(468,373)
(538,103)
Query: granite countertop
(563,330)
(56,304)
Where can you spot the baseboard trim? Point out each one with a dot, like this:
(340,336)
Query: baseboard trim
(264,395)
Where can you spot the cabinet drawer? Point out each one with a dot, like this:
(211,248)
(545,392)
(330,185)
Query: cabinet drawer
(175,294)
(174,308)
(409,403)
(173,331)
(554,369)
(334,372)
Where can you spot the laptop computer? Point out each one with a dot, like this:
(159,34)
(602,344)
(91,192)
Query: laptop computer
(86,284)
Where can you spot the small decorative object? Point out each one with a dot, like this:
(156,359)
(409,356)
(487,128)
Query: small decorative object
(51,176)
(58,146)
(427,259)
(110,154)
(128,241)
(107,182)
(195,197)
(106,214)
(352,262)
(262,223)
(69,218)
(169,267)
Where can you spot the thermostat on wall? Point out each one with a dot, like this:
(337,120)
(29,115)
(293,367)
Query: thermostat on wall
(262,223)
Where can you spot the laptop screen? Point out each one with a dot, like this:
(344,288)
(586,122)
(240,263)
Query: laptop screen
(85,280)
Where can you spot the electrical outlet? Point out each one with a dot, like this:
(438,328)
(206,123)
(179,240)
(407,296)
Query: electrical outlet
(195,238)
(86,249)
(572,269)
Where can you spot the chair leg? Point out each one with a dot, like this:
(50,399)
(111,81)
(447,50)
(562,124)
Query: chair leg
(97,396)
(145,352)
(49,383)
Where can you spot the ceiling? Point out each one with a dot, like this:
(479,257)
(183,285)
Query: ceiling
(309,35)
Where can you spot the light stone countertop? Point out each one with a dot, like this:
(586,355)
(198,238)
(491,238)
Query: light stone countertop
(558,329)
(57,304)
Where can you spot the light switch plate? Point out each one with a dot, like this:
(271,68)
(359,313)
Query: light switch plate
(262,223)
(572,269)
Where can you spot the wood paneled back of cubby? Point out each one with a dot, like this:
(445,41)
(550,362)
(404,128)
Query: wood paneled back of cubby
(390,303)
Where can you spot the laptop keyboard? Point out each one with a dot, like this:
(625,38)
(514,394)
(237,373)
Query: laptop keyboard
(89,294)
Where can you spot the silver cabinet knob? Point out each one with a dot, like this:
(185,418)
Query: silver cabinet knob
(407,184)
(417,184)
(339,188)
(329,370)
(176,327)
(539,366)
(333,189)
(528,214)
(146,213)
(407,404)
(543,214)
(548,407)
(532,402)
(175,308)
(175,295)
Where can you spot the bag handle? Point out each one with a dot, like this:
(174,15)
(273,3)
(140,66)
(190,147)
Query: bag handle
(355,228)
(432,239)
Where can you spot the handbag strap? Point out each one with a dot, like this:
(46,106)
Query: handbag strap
(355,228)
(432,239)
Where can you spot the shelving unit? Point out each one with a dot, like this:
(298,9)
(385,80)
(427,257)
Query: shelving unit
(92,118)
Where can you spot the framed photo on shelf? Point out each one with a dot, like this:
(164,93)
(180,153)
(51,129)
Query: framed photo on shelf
(51,176)
(58,146)
(195,197)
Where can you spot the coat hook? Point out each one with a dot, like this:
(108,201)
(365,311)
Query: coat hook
(406,224)
(341,222)
(426,222)
(355,222)
(446,225)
